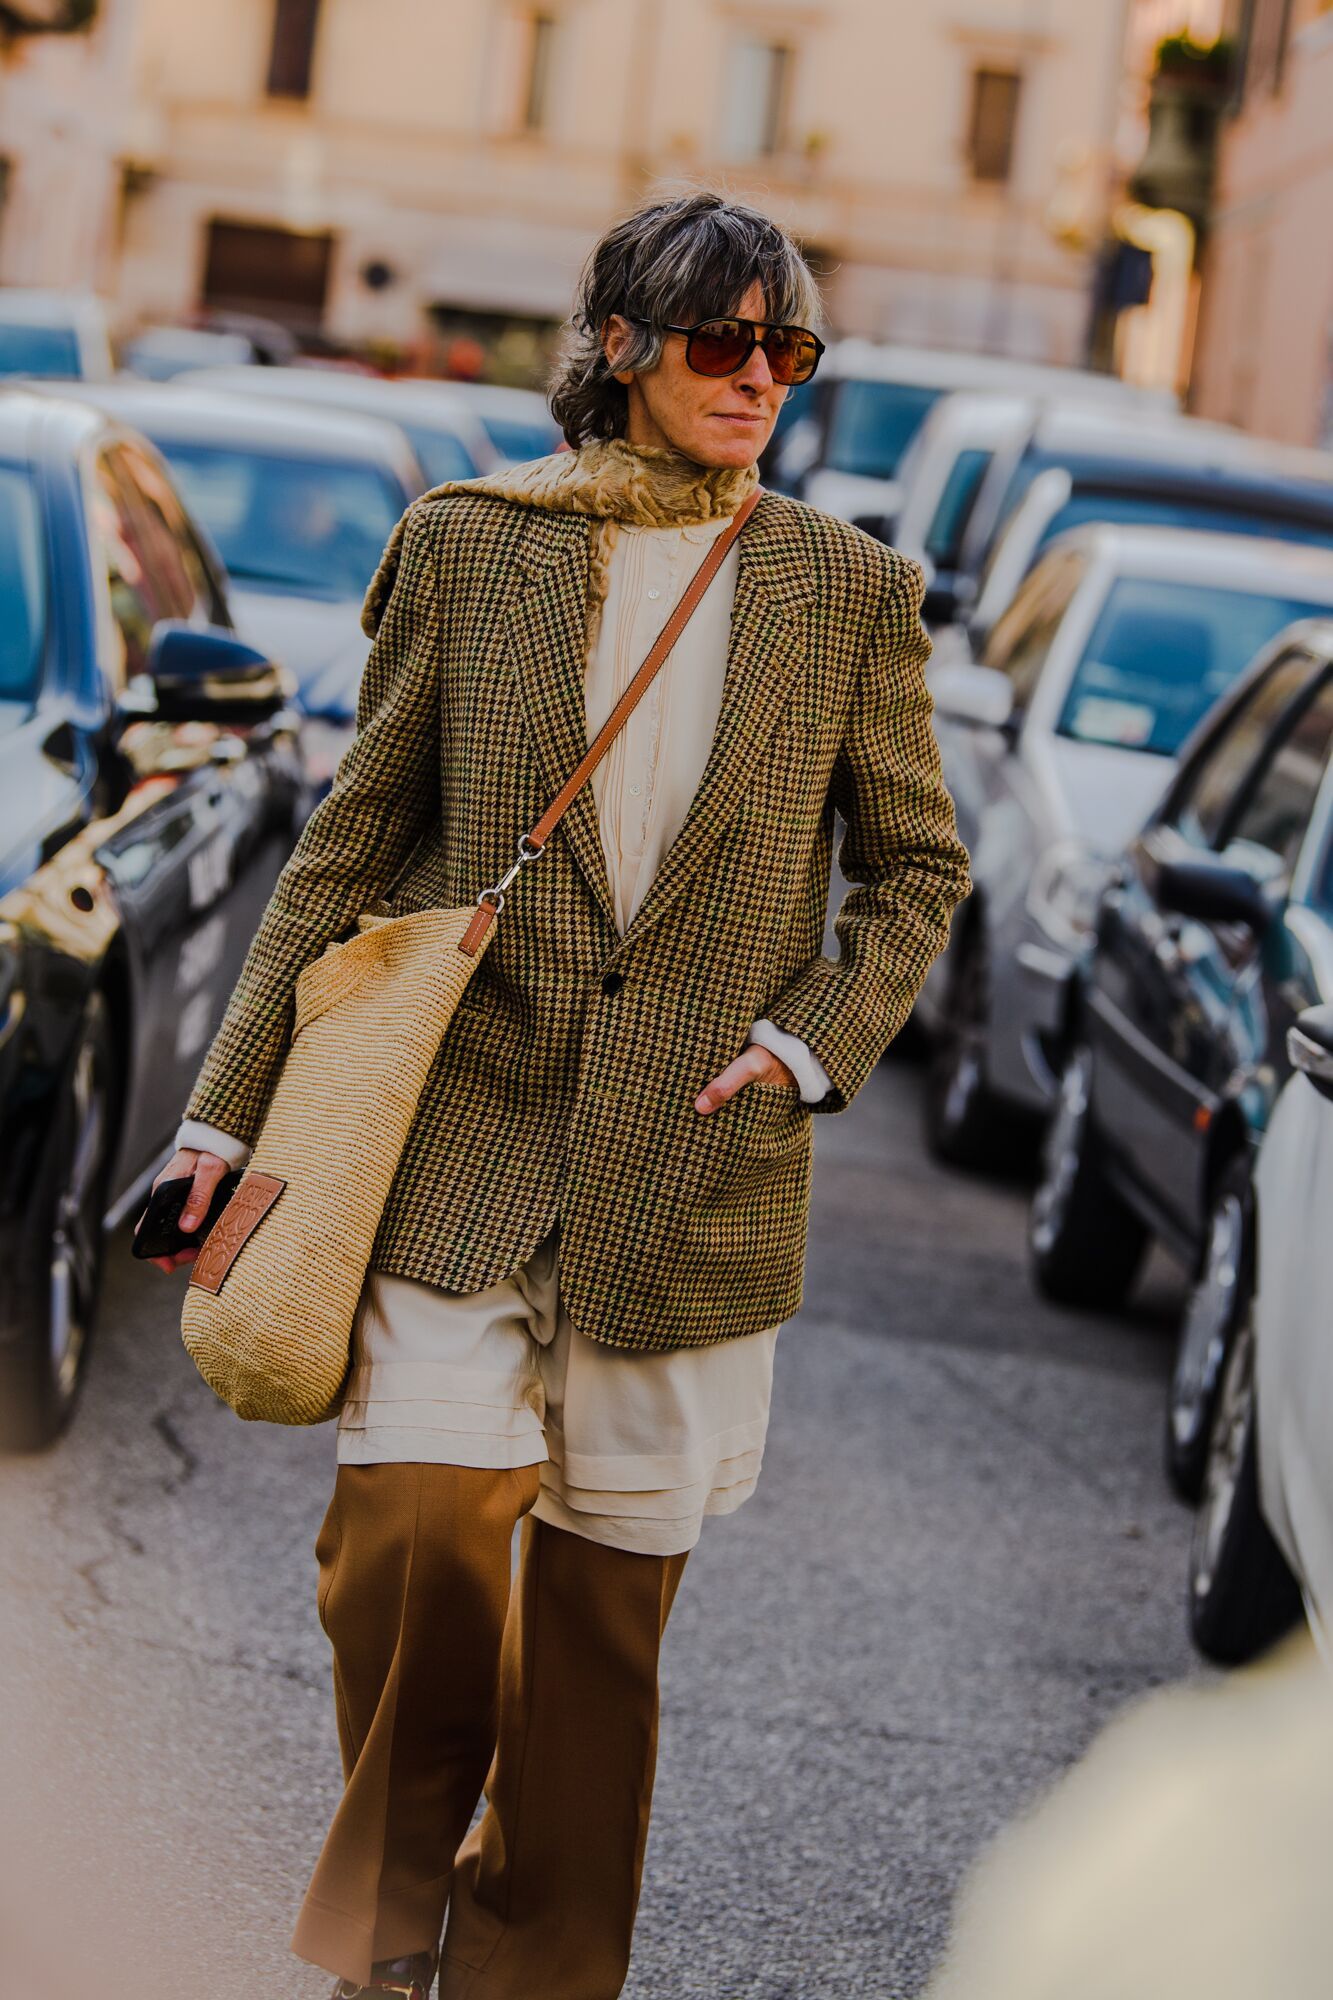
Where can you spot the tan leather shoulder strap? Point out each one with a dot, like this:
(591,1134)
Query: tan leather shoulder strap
(491,901)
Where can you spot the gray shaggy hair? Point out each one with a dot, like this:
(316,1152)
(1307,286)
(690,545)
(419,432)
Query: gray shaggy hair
(689,258)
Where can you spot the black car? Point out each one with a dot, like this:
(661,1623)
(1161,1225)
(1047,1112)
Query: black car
(150,788)
(1211,938)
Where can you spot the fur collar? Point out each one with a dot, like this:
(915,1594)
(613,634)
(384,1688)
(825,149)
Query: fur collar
(644,486)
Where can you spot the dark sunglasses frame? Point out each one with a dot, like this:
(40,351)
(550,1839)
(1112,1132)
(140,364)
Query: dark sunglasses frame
(752,326)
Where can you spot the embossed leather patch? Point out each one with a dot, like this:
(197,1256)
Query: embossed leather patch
(254,1197)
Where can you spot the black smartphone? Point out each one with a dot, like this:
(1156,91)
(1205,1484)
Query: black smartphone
(158,1232)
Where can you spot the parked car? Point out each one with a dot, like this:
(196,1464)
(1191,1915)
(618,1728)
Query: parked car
(1263,1535)
(518,422)
(299,503)
(1265,1527)
(940,475)
(1057,744)
(1080,465)
(869,401)
(1212,936)
(53,334)
(160,353)
(447,437)
(150,788)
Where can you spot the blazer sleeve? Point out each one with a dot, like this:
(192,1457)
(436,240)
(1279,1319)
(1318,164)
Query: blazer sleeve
(900,852)
(385,793)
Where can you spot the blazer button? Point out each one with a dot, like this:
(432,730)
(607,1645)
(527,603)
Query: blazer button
(612,983)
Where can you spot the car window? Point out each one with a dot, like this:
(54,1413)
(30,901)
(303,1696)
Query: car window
(183,584)
(22,589)
(1211,784)
(873,423)
(944,537)
(1161,653)
(307,527)
(440,454)
(1021,639)
(39,350)
(519,438)
(1271,822)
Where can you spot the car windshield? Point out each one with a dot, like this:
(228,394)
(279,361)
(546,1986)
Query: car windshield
(519,438)
(1161,653)
(39,350)
(873,423)
(440,454)
(1239,515)
(304,527)
(944,537)
(22,591)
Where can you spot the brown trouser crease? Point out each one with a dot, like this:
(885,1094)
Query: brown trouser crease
(447,1683)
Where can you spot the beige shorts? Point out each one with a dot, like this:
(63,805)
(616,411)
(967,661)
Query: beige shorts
(635,1449)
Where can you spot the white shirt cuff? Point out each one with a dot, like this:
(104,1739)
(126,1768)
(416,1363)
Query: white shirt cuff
(799,1057)
(203,1138)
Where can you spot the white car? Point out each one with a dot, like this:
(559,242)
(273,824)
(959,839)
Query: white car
(446,434)
(518,422)
(299,504)
(1263,1536)
(1293,1314)
(1056,745)
(53,335)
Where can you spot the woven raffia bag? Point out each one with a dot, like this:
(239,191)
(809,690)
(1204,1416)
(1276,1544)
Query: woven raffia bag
(273,1292)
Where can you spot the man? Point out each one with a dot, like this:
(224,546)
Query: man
(599,1220)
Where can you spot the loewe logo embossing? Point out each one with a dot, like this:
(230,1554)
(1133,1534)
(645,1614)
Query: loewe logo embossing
(254,1197)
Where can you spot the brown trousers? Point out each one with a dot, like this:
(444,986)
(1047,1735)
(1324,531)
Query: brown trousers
(448,1683)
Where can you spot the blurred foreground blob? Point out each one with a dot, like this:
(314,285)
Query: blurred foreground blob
(1185,1858)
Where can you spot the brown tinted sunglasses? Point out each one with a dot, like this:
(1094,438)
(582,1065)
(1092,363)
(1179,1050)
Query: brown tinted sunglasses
(723,346)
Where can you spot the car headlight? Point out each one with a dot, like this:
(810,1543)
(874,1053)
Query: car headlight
(1065,890)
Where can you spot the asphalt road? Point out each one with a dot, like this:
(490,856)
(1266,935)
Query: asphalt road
(960,1561)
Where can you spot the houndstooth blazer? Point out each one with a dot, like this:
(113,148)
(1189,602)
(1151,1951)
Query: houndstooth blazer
(564,1086)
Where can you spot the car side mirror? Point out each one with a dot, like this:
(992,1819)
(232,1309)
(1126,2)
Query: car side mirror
(882,526)
(1213,892)
(1310,1047)
(977,695)
(203,673)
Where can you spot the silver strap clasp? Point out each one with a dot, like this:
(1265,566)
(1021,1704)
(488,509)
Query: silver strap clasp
(526,852)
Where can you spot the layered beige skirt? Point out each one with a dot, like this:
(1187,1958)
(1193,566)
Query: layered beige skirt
(635,1449)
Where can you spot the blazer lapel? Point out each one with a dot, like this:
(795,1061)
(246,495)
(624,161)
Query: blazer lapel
(546,629)
(765,652)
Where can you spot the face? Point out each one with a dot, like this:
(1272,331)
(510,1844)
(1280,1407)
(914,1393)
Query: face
(716,421)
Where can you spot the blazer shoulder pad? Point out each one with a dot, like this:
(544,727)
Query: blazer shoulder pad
(877,566)
(421,519)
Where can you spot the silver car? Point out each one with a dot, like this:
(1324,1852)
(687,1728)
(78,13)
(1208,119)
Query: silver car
(1056,744)
(449,439)
(844,452)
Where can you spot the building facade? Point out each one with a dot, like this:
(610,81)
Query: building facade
(1264,355)
(372,171)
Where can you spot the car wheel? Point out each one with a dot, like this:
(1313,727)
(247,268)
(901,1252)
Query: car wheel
(42,1369)
(1219,1299)
(962,1120)
(1086,1245)
(1242,1594)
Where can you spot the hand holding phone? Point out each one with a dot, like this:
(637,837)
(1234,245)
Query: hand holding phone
(186,1200)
